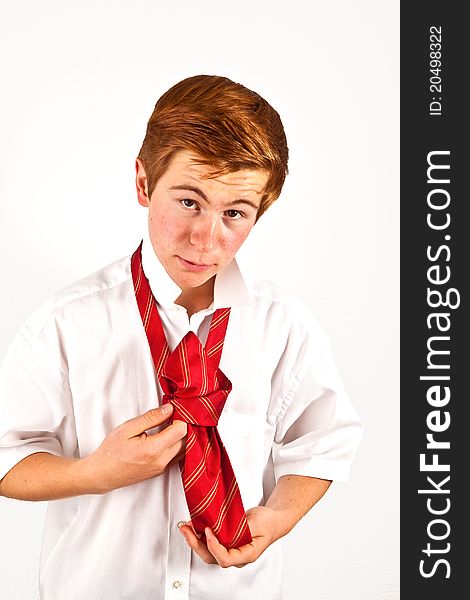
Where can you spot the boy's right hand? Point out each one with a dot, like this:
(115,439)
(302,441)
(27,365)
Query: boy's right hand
(129,455)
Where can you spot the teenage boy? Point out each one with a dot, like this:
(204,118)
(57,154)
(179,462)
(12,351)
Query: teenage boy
(180,415)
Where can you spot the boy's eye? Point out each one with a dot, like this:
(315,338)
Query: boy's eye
(188,203)
(233,214)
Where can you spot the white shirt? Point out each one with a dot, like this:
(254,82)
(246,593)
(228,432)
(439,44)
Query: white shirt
(81,365)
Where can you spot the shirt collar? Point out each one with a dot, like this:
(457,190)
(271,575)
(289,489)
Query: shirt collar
(230,288)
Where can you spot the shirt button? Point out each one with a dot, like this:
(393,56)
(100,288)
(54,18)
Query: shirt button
(180,524)
(177,584)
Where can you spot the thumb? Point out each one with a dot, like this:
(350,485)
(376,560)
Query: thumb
(148,420)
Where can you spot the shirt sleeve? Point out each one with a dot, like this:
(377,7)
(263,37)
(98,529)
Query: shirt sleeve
(317,429)
(36,412)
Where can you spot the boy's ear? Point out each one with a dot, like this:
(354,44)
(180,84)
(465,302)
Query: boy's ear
(141,183)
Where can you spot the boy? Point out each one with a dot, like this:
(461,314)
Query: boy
(179,415)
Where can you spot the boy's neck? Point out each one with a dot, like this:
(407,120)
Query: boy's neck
(196,299)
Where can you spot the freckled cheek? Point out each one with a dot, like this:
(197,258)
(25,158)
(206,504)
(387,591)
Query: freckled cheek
(168,227)
(232,243)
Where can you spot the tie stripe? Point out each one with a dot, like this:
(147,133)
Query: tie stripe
(185,365)
(192,381)
(225,505)
(210,407)
(215,349)
(188,417)
(241,531)
(190,440)
(194,476)
(205,381)
(207,500)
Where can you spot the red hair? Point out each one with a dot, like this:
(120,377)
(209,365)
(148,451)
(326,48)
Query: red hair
(228,127)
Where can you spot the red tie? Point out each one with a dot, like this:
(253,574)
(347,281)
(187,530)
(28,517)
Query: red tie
(192,381)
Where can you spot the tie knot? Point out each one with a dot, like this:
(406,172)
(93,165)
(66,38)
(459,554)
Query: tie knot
(192,381)
(199,410)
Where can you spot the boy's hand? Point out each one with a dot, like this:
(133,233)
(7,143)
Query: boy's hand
(129,455)
(292,497)
(263,523)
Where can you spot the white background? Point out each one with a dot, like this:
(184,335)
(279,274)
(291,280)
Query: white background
(80,80)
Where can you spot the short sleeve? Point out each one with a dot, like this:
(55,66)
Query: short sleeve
(317,429)
(36,412)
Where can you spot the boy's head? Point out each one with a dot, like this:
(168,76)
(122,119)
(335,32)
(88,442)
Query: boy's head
(227,126)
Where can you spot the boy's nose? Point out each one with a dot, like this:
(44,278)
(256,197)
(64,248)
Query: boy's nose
(204,232)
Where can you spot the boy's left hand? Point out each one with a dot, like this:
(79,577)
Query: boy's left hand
(263,523)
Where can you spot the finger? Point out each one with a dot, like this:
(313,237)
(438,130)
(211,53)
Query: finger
(190,524)
(196,544)
(216,549)
(174,453)
(235,557)
(179,456)
(148,420)
(170,435)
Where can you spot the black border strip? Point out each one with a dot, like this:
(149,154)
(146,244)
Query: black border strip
(434,257)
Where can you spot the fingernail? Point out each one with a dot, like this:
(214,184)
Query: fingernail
(207,531)
(167,408)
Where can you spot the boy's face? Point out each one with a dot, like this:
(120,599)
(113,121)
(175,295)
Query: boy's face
(197,224)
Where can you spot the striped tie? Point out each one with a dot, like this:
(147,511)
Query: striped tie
(192,381)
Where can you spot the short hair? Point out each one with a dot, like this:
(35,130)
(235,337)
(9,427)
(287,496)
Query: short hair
(228,126)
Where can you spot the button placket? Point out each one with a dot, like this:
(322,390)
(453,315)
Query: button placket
(179,554)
